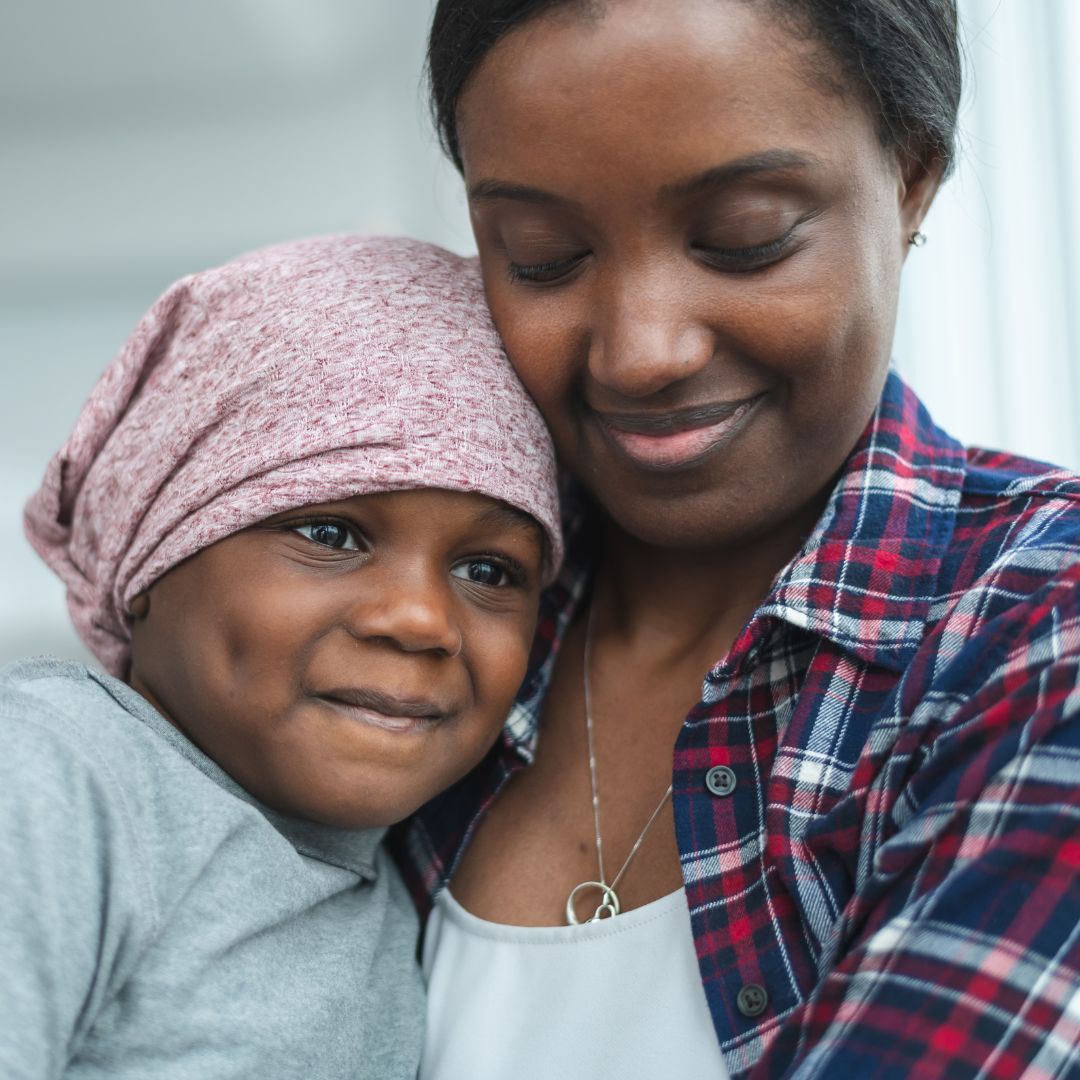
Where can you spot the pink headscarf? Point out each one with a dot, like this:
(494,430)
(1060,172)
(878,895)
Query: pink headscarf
(303,373)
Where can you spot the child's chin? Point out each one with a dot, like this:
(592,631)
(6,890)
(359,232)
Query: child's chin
(367,815)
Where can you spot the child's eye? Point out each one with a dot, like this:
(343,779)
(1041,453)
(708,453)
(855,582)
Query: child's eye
(329,534)
(483,572)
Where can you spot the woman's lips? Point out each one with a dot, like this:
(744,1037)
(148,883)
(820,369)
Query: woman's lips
(382,711)
(675,440)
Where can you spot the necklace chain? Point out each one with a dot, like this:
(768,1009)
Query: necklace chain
(609,903)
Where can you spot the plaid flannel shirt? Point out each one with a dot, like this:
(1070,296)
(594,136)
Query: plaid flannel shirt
(890,887)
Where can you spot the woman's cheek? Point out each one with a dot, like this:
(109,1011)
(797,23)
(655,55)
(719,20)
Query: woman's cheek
(541,336)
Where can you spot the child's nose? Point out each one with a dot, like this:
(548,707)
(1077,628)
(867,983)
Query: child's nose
(413,612)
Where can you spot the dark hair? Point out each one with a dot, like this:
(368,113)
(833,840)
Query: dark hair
(903,54)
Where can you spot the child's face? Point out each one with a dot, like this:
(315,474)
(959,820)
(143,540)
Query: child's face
(346,662)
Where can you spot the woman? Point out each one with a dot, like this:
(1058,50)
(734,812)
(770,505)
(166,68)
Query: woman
(847,644)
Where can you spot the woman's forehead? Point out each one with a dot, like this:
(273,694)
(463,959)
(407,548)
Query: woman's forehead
(647,84)
(695,33)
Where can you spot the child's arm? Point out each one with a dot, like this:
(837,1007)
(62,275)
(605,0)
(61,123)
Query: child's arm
(68,877)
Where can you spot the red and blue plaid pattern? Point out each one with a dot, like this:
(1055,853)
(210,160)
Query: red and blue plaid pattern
(896,874)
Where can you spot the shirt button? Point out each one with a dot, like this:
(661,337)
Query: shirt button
(720,780)
(752,1000)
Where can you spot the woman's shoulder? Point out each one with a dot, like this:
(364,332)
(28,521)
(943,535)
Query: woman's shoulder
(1016,526)
(1006,619)
(998,474)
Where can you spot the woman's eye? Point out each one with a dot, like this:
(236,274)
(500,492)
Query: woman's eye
(746,258)
(329,534)
(482,572)
(544,273)
(751,256)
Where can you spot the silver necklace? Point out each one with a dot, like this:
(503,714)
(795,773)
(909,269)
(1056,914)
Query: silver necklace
(608,905)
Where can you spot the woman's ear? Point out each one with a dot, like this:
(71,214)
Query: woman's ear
(140,606)
(919,182)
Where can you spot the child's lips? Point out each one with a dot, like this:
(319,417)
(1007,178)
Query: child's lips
(668,441)
(385,711)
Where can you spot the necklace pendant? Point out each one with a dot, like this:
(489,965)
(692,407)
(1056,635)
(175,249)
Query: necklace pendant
(607,908)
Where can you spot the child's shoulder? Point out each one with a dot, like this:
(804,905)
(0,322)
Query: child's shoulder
(58,702)
(71,759)
(80,746)
(89,771)
(69,711)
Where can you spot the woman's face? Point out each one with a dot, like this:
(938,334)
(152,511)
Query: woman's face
(691,240)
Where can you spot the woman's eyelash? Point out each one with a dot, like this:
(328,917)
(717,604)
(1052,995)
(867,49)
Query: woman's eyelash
(757,256)
(542,272)
(747,258)
(751,257)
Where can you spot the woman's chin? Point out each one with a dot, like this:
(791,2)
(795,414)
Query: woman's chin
(701,522)
(731,516)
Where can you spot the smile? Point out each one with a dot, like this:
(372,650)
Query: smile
(379,710)
(676,440)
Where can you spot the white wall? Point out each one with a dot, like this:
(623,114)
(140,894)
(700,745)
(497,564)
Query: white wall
(140,141)
(989,329)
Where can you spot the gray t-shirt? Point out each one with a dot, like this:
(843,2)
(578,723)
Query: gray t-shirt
(157,922)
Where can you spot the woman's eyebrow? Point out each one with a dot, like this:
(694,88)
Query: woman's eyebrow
(769,161)
(492,190)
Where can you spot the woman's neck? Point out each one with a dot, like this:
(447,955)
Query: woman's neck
(678,602)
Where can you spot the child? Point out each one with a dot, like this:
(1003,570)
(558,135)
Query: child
(303,521)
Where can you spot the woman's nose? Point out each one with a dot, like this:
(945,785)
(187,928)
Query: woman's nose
(413,612)
(645,336)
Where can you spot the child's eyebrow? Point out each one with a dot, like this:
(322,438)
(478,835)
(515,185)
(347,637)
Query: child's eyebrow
(504,514)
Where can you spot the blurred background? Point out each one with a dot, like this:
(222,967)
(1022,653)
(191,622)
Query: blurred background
(140,141)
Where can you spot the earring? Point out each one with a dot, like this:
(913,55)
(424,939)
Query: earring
(918,239)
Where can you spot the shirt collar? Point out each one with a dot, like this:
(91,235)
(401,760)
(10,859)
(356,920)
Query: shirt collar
(868,574)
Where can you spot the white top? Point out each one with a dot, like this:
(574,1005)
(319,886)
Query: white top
(621,997)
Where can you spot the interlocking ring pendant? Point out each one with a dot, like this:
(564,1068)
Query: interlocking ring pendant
(606,909)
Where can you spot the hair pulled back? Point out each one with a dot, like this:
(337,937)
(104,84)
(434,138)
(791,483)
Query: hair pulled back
(904,55)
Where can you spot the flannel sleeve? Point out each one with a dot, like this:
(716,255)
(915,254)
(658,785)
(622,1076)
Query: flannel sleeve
(959,955)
